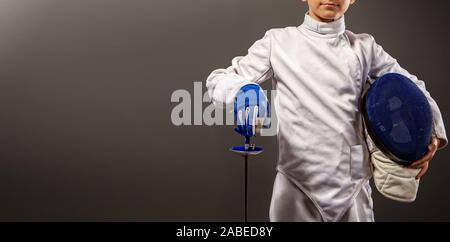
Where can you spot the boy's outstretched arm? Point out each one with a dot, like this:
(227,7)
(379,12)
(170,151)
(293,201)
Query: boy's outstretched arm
(255,67)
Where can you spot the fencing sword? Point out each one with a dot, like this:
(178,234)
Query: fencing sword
(245,151)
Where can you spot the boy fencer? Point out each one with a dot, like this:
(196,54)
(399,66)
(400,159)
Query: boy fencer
(319,69)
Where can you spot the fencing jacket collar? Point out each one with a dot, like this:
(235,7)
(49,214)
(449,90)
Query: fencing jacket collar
(329,29)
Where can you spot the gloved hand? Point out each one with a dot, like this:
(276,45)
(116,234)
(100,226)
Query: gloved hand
(251,110)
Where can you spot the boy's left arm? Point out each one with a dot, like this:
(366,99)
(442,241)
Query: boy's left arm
(382,63)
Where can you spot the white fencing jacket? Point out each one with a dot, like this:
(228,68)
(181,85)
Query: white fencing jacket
(318,70)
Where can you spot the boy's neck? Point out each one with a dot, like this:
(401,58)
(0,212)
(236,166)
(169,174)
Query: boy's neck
(335,27)
(318,18)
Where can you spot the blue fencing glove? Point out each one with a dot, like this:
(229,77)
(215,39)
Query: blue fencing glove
(251,110)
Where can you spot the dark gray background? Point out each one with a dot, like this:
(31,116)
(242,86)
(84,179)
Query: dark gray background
(85,87)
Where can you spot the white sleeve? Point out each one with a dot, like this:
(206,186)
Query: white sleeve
(255,67)
(383,63)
